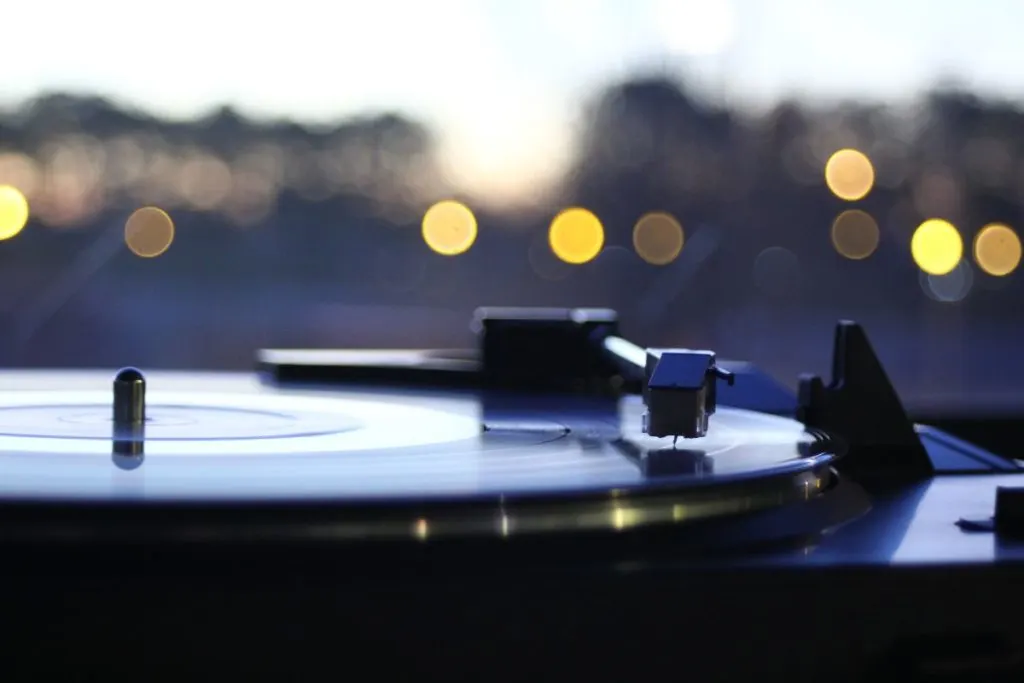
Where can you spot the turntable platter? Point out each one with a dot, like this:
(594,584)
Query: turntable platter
(236,438)
(215,438)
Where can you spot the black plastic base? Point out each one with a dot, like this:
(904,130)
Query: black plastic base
(296,621)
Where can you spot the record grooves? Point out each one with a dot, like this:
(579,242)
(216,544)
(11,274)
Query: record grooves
(357,465)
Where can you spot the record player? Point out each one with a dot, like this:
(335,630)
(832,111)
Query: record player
(555,502)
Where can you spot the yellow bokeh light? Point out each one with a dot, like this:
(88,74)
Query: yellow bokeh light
(13,211)
(997,249)
(149,232)
(658,238)
(449,228)
(576,235)
(849,174)
(937,247)
(855,234)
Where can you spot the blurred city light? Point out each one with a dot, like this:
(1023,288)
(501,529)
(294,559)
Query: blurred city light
(576,235)
(13,211)
(790,149)
(849,174)
(777,271)
(658,238)
(20,171)
(149,232)
(449,228)
(855,234)
(951,287)
(937,247)
(997,249)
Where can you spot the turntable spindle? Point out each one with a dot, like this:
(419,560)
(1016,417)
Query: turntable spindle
(129,397)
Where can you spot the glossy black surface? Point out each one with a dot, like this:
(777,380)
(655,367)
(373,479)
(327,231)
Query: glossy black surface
(271,464)
(287,449)
(238,440)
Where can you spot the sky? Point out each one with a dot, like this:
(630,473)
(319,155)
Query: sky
(503,81)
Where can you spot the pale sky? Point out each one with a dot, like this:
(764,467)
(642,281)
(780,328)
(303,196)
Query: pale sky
(502,80)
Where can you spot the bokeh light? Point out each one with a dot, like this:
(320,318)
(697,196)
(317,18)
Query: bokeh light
(13,211)
(950,288)
(449,228)
(997,249)
(855,234)
(777,271)
(658,238)
(20,171)
(576,235)
(149,232)
(937,246)
(849,174)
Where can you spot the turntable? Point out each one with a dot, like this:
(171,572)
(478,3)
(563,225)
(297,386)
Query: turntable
(558,501)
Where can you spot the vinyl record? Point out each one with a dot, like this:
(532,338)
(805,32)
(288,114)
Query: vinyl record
(389,463)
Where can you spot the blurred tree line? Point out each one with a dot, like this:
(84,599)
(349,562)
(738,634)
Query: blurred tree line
(336,208)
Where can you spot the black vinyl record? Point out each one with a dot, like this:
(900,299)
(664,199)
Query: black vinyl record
(388,464)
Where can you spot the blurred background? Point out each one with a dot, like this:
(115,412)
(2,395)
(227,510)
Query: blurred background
(183,184)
